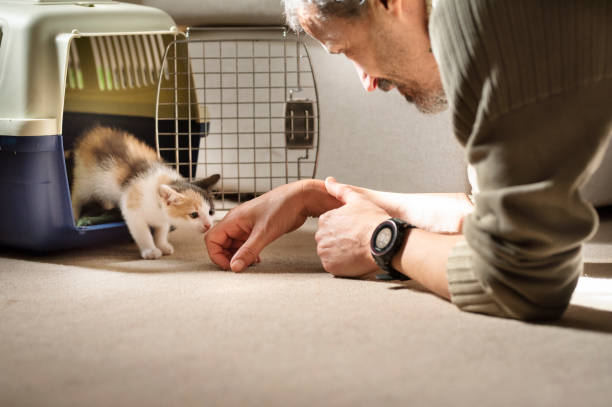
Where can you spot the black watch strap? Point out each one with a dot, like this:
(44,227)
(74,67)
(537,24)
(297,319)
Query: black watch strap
(387,239)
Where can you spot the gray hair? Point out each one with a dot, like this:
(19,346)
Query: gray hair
(322,9)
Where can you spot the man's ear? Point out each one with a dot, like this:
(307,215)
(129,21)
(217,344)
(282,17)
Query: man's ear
(207,183)
(401,8)
(393,6)
(169,195)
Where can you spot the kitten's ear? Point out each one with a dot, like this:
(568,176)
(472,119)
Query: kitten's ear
(207,183)
(169,195)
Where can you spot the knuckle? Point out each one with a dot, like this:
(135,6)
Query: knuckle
(327,217)
(328,263)
(330,268)
(323,218)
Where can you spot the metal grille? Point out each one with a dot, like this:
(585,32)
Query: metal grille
(241,103)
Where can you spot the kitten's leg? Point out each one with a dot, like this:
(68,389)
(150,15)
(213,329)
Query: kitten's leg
(77,202)
(161,239)
(141,234)
(79,191)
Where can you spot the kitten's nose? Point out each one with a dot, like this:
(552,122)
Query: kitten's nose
(205,226)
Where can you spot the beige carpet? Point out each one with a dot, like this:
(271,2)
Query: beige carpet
(100,327)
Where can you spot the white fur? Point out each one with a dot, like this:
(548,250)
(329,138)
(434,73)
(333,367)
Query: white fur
(152,211)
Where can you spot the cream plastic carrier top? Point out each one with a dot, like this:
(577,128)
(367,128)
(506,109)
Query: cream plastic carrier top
(35,38)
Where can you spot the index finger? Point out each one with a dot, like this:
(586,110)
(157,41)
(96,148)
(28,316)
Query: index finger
(219,255)
(222,241)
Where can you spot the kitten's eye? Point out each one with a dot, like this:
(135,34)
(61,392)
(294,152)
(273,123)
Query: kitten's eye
(211,212)
(194,215)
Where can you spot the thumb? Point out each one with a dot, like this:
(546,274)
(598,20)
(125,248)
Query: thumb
(248,253)
(337,190)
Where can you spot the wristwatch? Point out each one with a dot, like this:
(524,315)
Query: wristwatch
(387,240)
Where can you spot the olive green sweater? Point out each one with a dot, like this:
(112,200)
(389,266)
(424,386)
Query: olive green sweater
(529,83)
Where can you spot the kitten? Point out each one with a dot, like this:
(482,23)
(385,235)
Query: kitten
(116,169)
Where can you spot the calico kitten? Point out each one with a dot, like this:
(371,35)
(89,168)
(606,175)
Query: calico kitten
(116,169)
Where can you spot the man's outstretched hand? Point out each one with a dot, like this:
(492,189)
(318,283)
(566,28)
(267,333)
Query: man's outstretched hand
(343,238)
(237,240)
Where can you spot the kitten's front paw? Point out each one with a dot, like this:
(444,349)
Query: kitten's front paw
(166,248)
(151,254)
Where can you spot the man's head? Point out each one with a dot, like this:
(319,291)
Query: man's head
(387,40)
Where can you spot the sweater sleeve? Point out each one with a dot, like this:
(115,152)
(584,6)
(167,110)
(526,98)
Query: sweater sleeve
(535,119)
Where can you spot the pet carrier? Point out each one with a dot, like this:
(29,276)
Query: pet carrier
(65,66)
(239,102)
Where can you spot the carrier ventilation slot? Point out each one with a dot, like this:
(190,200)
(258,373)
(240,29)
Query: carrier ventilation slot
(121,62)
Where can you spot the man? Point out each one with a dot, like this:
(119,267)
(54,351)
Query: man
(529,83)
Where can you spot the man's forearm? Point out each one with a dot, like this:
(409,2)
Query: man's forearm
(438,212)
(423,258)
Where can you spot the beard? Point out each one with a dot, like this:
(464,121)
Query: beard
(426,101)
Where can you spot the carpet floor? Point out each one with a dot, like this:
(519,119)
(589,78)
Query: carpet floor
(101,327)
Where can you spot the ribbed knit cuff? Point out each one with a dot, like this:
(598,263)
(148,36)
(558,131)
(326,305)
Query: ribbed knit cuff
(467,292)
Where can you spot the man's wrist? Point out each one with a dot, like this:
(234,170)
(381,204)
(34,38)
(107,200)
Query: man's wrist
(387,242)
(396,261)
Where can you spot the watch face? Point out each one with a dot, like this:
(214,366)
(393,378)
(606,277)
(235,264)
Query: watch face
(383,238)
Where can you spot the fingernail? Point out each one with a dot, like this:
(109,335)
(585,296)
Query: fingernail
(237,265)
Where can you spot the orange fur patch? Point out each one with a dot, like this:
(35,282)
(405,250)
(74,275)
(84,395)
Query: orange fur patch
(190,203)
(138,149)
(100,143)
(120,173)
(101,136)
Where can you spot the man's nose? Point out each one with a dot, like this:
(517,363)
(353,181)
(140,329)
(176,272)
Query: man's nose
(369,83)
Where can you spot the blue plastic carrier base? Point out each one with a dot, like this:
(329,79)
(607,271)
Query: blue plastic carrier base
(35,206)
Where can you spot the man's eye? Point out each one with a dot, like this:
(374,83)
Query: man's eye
(194,215)
(211,212)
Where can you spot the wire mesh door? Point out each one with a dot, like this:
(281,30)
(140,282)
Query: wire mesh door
(241,103)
